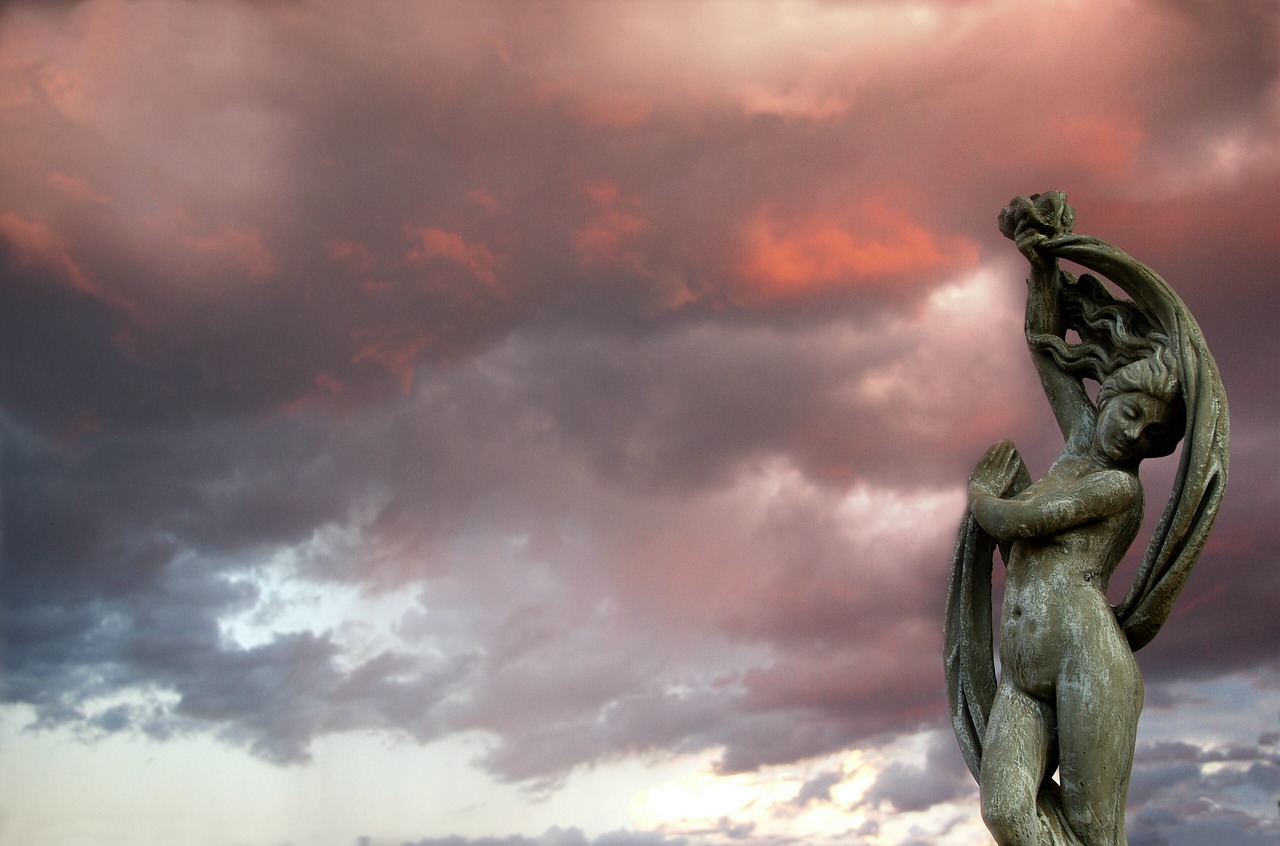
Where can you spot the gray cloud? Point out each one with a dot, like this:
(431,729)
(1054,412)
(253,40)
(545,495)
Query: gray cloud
(482,318)
(909,788)
(1176,799)
(556,836)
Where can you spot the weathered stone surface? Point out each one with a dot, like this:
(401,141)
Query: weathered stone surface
(1070,692)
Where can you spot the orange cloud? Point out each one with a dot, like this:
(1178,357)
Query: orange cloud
(475,256)
(611,225)
(242,246)
(784,261)
(354,252)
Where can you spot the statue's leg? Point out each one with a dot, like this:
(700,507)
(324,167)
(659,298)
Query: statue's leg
(1098,706)
(1014,754)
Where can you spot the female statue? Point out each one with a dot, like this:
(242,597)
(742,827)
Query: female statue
(1069,694)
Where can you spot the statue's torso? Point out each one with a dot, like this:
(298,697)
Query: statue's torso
(1055,606)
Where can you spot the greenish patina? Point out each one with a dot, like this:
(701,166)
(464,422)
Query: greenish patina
(1069,693)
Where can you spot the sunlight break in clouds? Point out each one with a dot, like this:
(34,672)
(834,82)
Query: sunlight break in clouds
(876,797)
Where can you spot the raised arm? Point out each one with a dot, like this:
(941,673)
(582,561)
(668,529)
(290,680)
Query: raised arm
(1030,222)
(1065,392)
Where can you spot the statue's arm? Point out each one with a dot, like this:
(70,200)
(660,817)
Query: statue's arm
(1065,392)
(1037,515)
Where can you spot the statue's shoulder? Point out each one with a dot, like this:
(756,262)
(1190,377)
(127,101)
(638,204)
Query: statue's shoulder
(1075,475)
(1120,489)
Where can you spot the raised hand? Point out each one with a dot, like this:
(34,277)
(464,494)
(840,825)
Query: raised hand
(1048,212)
(1031,241)
(998,470)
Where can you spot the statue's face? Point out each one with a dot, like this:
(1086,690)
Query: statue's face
(1129,426)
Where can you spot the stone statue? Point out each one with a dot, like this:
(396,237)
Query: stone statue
(1069,693)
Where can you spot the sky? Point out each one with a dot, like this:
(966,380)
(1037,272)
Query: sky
(546,424)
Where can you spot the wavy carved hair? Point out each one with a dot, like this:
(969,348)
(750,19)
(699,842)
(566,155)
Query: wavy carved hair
(1119,348)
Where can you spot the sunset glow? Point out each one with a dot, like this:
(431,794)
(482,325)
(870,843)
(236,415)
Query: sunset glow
(430,422)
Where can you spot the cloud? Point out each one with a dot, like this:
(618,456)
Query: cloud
(34,243)
(448,504)
(556,836)
(611,225)
(1182,792)
(818,788)
(823,254)
(77,188)
(242,246)
(910,788)
(437,243)
(641,353)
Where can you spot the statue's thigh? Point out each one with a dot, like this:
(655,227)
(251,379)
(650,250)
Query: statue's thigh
(1014,753)
(1097,726)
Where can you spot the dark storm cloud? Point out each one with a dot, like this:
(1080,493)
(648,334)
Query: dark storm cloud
(118,556)
(656,369)
(1183,793)
(273,698)
(942,778)
(137,499)
(180,523)
(818,788)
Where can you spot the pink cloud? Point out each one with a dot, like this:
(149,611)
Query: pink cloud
(874,245)
(353,252)
(583,471)
(398,356)
(78,189)
(38,245)
(612,226)
(1103,144)
(615,110)
(475,256)
(794,103)
(242,245)
(485,200)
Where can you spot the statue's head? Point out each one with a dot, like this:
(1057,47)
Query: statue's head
(1141,413)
